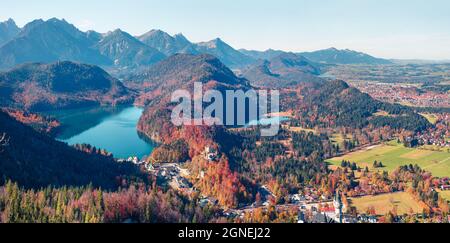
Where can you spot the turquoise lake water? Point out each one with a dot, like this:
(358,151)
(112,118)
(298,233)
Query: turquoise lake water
(110,128)
(114,129)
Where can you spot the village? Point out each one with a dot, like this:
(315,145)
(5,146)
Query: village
(311,207)
(439,135)
(408,94)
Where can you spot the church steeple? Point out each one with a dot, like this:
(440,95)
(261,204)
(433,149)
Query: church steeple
(338,205)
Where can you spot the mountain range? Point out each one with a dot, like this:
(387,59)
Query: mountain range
(335,56)
(327,56)
(57,40)
(262,55)
(50,41)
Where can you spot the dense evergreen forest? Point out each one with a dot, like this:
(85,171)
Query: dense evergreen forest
(335,103)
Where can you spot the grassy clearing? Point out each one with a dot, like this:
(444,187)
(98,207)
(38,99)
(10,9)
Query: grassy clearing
(432,118)
(402,201)
(393,155)
(383,113)
(435,148)
(445,195)
(338,139)
(289,114)
(298,129)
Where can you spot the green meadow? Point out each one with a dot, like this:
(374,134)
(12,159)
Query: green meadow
(402,201)
(393,155)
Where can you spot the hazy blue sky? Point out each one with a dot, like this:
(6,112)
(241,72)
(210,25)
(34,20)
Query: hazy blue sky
(385,28)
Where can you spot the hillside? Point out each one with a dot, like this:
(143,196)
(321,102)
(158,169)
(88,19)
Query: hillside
(59,85)
(180,71)
(335,103)
(285,70)
(335,56)
(35,160)
(179,143)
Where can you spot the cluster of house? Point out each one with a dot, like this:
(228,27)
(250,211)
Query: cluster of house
(314,213)
(403,93)
(444,184)
(436,142)
(445,187)
(438,135)
(265,194)
(307,195)
(433,138)
(323,216)
(166,173)
(133,159)
(205,201)
(169,174)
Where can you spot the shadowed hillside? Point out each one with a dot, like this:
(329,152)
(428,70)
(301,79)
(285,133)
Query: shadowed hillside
(60,85)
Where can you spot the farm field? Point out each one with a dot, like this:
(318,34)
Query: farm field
(403,201)
(393,155)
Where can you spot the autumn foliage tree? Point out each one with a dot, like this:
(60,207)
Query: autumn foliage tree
(137,203)
(218,180)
